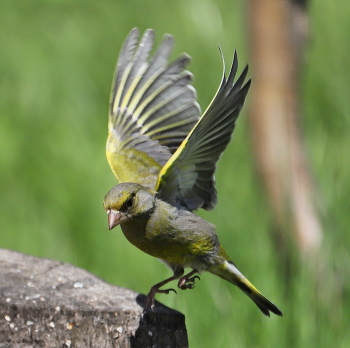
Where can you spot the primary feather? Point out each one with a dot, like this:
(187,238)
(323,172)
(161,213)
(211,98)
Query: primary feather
(188,177)
(152,109)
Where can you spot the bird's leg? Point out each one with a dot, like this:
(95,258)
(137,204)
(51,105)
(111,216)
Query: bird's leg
(187,281)
(155,290)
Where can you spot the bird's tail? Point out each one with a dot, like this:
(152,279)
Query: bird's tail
(229,272)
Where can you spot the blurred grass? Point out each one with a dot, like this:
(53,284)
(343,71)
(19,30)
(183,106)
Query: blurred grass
(56,65)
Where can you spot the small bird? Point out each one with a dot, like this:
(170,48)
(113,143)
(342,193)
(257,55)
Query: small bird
(163,152)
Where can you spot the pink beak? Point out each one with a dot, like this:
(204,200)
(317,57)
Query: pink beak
(115,218)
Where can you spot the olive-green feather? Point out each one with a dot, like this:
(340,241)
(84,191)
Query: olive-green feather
(152,109)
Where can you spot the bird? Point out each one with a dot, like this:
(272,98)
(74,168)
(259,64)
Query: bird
(163,151)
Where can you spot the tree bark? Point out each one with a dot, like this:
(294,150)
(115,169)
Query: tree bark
(46,303)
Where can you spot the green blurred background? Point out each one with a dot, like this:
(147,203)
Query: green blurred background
(56,64)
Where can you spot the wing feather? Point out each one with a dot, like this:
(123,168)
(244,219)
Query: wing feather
(187,179)
(152,108)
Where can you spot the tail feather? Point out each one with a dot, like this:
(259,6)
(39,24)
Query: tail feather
(229,272)
(261,301)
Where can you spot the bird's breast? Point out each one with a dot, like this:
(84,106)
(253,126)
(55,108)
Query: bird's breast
(165,242)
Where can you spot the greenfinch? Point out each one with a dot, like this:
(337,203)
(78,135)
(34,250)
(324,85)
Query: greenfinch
(163,152)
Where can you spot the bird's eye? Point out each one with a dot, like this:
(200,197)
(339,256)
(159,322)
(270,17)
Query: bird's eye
(129,202)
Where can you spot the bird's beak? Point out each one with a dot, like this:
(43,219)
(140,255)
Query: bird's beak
(115,217)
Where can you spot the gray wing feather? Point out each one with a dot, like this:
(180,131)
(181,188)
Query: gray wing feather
(188,178)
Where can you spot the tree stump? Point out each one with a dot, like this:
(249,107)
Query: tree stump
(46,303)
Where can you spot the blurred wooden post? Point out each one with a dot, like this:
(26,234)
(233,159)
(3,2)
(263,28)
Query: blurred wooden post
(278,29)
(46,303)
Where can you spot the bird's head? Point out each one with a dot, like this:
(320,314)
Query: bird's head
(127,201)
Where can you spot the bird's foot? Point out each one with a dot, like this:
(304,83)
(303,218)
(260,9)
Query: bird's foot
(166,291)
(187,282)
(155,290)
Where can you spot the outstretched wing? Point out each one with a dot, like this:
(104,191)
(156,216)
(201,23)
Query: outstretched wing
(187,179)
(152,109)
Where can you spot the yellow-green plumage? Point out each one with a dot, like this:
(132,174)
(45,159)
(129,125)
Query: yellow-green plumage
(164,153)
(147,168)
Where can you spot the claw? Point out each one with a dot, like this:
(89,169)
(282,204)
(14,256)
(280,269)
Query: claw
(155,290)
(188,282)
(187,286)
(166,291)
